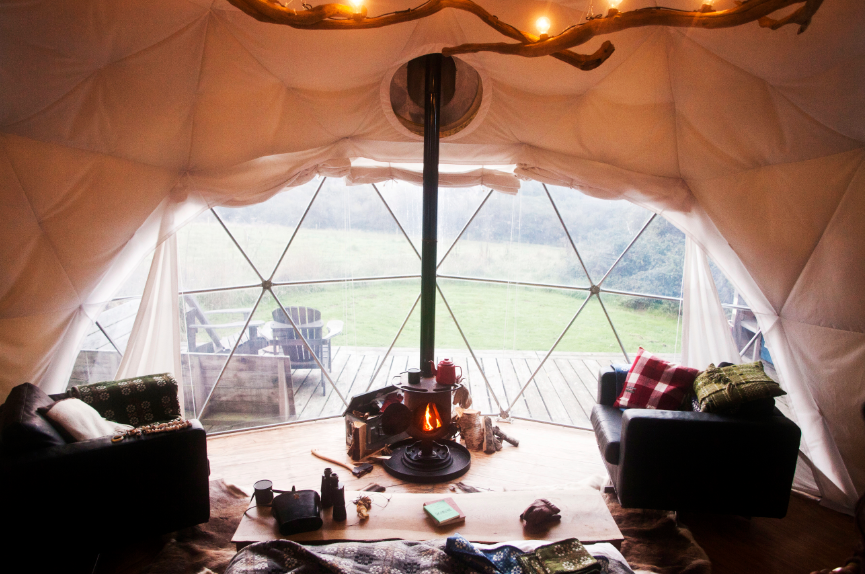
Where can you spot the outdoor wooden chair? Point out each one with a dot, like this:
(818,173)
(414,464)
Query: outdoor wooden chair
(196,319)
(309,323)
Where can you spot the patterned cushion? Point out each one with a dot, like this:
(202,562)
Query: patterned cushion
(653,383)
(136,401)
(723,390)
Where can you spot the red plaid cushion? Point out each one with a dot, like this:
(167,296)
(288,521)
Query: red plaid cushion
(653,383)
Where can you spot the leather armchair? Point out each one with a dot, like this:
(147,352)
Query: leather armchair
(693,461)
(95,493)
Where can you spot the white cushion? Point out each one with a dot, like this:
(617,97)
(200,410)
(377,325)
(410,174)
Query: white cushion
(82,421)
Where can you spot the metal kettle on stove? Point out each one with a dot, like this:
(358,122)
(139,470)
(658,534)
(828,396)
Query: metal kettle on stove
(446,373)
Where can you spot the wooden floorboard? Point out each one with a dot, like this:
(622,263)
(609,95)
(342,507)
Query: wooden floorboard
(809,538)
(563,391)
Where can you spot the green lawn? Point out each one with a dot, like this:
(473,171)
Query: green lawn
(492,316)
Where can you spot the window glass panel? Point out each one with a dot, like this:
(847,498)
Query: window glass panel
(211,324)
(600,228)
(371,313)
(348,233)
(517,238)
(264,229)
(653,324)
(455,207)
(654,264)
(208,258)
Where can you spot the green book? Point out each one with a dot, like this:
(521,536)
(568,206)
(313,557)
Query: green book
(443,511)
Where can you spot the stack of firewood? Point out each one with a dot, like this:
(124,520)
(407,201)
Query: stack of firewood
(482,435)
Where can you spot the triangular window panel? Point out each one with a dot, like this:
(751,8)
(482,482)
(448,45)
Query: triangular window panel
(455,208)
(569,377)
(449,344)
(97,359)
(600,228)
(211,325)
(653,265)
(653,324)
(264,229)
(208,258)
(517,238)
(509,329)
(347,234)
(359,320)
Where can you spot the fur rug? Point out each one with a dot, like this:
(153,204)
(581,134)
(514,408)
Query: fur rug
(206,548)
(653,541)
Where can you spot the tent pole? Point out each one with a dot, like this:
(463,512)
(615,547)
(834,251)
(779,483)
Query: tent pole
(432,112)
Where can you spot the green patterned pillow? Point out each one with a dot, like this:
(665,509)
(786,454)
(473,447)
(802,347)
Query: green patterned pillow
(722,390)
(136,401)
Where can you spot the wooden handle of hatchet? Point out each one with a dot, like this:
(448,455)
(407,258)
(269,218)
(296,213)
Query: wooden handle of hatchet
(334,461)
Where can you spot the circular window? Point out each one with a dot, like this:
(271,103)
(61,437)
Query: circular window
(462,94)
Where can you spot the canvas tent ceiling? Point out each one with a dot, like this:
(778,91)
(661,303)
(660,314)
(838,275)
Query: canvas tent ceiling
(121,120)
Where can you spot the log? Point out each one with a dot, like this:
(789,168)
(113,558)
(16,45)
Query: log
(498,442)
(489,437)
(471,429)
(498,432)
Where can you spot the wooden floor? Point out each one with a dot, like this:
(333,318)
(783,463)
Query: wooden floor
(809,538)
(563,391)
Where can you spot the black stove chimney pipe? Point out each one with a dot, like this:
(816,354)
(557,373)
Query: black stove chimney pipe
(432,116)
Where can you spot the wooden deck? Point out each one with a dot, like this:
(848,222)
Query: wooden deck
(562,392)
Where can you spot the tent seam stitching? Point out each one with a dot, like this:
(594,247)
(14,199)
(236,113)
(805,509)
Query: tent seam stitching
(580,97)
(292,89)
(195,100)
(772,88)
(100,69)
(39,223)
(820,240)
(771,165)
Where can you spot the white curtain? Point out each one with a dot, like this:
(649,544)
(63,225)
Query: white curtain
(706,336)
(154,343)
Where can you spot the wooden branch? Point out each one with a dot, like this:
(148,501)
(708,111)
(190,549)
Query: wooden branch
(342,17)
(498,432)
(489,437)
(615,21)
(802,16)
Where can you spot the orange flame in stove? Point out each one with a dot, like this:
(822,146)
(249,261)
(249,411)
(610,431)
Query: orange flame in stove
(431,419)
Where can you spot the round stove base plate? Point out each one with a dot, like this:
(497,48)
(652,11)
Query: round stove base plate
(460,461)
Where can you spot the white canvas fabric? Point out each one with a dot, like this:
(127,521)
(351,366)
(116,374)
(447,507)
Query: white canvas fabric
(154,343)
(116,116)
(706,336)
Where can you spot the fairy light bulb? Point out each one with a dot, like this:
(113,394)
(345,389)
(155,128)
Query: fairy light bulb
(543,25)
(614,4)
(357,5)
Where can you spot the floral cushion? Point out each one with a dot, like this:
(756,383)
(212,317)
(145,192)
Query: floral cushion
(653,383)
(136,401)
(725,389)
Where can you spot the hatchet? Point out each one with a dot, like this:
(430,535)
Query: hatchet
(357,470)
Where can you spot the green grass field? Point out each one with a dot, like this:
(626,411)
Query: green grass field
(492,316)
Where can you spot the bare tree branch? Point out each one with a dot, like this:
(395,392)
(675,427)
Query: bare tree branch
(342,17)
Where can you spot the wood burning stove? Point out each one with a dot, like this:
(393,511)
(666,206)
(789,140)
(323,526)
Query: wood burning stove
(427,456)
